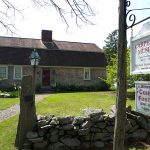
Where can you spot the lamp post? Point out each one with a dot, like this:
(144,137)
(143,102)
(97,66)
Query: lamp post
(27,117)
(34,59)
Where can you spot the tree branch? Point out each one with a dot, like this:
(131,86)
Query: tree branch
(79,9)
(7,16)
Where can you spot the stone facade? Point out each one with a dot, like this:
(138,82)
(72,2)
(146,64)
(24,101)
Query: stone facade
(75,76)
(58,75)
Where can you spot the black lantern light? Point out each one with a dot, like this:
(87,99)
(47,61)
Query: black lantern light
(34,58)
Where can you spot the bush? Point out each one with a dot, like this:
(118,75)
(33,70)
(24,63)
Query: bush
(38,88)
(76,88)
(7,89)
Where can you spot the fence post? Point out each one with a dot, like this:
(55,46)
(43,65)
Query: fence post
(27,116)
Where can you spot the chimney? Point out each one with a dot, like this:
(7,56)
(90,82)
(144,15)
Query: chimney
(46,36)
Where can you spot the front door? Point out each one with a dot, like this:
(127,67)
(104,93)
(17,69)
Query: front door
(46,77)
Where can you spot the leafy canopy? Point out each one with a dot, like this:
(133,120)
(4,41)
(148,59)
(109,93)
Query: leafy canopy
(110,47)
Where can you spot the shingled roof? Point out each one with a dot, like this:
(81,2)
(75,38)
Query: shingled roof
(39,44)
(16,51)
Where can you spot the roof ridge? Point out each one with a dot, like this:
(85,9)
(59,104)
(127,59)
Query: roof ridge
(38,43)
(18,37)
(75,42)
(47,42)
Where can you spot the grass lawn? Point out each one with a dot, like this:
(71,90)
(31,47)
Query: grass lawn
(8,133)
(60,105)
(73,103)
(8,102)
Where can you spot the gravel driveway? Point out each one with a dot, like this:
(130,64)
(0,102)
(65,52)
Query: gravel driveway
(5,114)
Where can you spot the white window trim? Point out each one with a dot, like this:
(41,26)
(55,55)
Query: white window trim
(6,72)
(89,73)
(14,73)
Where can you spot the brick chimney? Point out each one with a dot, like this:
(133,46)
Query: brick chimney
(46,36)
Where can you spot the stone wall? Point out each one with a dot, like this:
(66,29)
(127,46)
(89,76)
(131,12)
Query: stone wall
(92,131)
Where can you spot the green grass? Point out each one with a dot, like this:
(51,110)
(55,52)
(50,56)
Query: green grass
(8,133)
(73,103)
(8,102)
(60,105)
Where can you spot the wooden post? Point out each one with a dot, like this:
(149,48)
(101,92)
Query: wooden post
(119,134)
(27,117)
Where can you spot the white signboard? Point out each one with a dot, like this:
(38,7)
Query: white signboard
(140,52)
(142,97)
(140,56)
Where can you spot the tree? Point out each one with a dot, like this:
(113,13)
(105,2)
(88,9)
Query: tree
(80,9)
(110,47)
(112,72)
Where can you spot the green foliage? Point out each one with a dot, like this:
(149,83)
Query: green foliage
(7,89)
(38,88)
(13,94)
(76,88)
(112,72)
(110,47)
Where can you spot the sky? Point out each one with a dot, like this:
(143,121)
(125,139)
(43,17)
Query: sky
(33,20)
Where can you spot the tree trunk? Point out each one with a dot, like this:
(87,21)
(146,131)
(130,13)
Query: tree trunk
(27,117)
(119,133)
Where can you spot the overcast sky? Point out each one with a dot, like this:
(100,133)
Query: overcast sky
(106,20)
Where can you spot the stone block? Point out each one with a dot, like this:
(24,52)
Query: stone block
(57,146)
(71,142)
(99,136)
(31,135)
(98,144)
(97,118)
(46,127)
(83,131)
(78,120)
(101,125)
(42,123)
(86,124)
(65,120)
(110,129)
(36,140)
(93,112)
(95,129)
(54,121)
(54,138)
(53,131)
(67,127)
(40,146)
(140,134)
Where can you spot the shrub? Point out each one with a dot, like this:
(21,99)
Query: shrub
(79,88)
(38,88)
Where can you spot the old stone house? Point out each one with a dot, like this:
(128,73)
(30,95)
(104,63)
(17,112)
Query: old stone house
(62,62)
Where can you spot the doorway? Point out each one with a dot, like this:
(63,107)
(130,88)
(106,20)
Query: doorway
(46,77)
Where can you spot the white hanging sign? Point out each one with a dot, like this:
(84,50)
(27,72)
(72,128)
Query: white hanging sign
(142,97)
(140,52)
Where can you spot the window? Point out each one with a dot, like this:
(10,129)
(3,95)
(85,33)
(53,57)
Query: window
(17,72)
(3,72)
(87,74)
